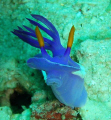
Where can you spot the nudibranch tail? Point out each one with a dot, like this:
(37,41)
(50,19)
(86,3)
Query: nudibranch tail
(70,41)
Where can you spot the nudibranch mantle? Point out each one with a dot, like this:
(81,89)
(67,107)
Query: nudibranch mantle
(63,74)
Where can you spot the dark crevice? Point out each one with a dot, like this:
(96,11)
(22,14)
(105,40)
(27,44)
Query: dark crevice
(19,98)
(79,117)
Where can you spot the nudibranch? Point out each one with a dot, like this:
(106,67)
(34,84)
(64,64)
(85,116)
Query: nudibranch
(63,74)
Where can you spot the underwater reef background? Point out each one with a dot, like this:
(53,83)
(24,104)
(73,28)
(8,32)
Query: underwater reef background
(23,92)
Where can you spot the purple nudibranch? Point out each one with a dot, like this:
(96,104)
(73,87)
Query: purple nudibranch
(63,74)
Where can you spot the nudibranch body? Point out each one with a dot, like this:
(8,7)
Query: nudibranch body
(62,72)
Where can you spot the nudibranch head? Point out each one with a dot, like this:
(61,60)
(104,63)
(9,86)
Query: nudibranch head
(66,54)
(67,85)
(57,62)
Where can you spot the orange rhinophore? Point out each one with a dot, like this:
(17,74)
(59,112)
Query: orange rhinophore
(39,36)
(71,37)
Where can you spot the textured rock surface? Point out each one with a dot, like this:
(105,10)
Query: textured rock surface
(95,55)
(53,110)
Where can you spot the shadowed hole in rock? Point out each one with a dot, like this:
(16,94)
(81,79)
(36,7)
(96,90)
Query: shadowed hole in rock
(18,99)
